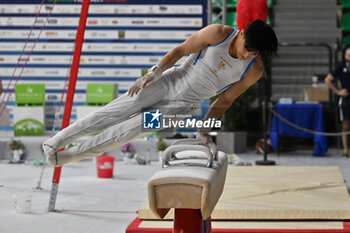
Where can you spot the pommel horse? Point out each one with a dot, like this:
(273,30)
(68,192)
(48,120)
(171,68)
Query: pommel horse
(191,181)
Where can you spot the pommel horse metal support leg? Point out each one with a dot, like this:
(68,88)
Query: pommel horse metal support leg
(190,220)
(191,182)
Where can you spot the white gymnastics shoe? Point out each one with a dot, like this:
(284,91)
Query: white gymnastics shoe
(48,149)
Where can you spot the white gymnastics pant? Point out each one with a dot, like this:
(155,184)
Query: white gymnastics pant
(122,119)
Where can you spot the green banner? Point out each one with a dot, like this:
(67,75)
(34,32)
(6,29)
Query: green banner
(30,94)
(100,93)
(28,127)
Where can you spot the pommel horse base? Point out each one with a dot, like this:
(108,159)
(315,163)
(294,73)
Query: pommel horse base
(191,182)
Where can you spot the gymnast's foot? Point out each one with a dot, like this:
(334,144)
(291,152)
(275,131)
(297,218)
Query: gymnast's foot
(48,149)
(69,155)
(51,145)
(58,160)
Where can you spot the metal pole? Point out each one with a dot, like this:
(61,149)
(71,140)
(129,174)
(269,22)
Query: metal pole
(224,12)
(265,161)
(70,94)
(210,12)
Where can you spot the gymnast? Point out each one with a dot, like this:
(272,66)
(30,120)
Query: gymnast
(221,59)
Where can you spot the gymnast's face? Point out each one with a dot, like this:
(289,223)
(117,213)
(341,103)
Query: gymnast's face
(242,53)
(347,56)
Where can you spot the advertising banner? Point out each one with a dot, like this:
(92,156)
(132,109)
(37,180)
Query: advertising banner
(97,93)
(30,94)
(28,121)
(122,40)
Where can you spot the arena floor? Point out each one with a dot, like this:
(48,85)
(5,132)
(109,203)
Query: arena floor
(91,204)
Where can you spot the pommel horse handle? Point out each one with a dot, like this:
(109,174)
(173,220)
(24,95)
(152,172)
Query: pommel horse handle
(170,152)
(212,146)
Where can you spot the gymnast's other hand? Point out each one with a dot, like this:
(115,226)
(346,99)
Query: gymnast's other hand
(146,80)
(136,87)
(139,84)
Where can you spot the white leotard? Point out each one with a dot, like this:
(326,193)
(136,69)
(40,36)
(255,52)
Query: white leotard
(212,69)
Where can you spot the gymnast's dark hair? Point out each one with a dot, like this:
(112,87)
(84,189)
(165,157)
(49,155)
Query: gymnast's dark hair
(261,38)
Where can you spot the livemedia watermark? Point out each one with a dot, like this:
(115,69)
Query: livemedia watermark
(160,121)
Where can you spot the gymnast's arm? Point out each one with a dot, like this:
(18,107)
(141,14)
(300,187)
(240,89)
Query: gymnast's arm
(210,35)
(225,100)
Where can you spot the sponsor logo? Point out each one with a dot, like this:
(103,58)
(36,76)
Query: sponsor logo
(29,127)
(29,90)
(121,34)
(51,33)
(48,8)
(102,34)
(92,22)
(99,90)
(39,21)
(9,22)
(52,21)
(52,72)
(153,21)
(163,8)
(23,59)
(52,97)
(153,59)
(101,11)
(104,22)
(96,59)
(98,73)
(144,35)
(137,22)
(39,59)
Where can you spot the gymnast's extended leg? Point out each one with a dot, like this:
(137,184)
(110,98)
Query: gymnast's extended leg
(113,137)
(115,112)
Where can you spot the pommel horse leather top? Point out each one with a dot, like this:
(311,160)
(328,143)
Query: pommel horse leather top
(192,177)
